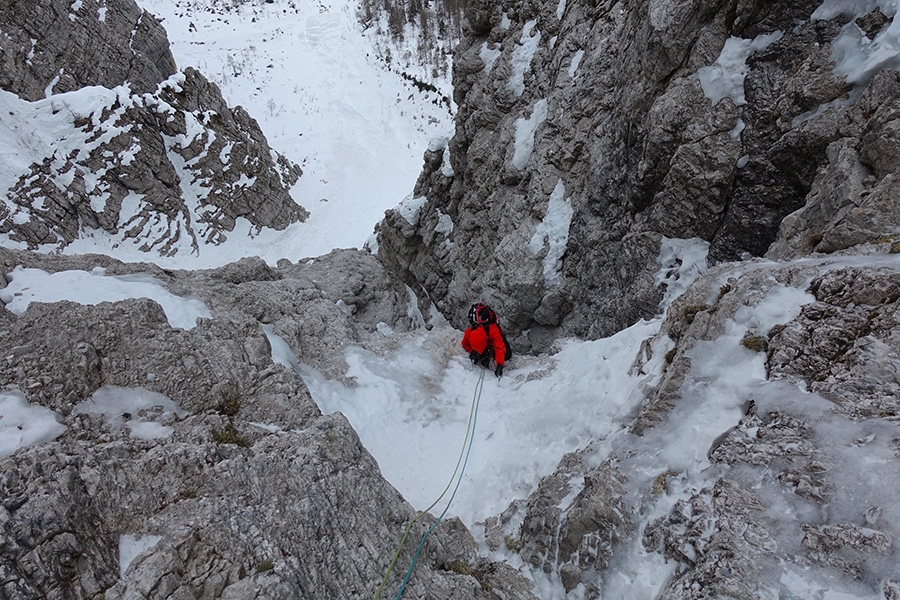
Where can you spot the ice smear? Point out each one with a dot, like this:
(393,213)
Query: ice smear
(542,409)
(576,60)
(143,412)
(681,262)
(553,234)
(857,57)
(130,546)
(525,130)
(521,57)
(410,208)
(489,56)
(725,77)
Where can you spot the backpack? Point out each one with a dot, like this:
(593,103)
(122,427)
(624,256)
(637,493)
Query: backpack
(482,314)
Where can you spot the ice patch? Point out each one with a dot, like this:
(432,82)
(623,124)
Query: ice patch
(525,130)
(410,208)
(442,143)
(281,350)
(553,234)
(576,60)
(130,546)
(444,224)
(681,262)
(856,57)
(488,56)
(23,424)
(521,57)
(142,411)
(725,77)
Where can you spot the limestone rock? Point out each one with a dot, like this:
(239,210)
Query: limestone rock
(720,536)
(160,161)
(571,523)
(253,493)
(56,46)
(614,146)
(852,201)
(845,345)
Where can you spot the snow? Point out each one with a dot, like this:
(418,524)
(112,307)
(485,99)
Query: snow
(350,124)
(357,129)
(34,285)
(406,406)
(23,424)
(725,77)
(553,234)
(525,130)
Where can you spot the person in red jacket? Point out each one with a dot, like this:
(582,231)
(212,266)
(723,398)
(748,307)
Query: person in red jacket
(484,339)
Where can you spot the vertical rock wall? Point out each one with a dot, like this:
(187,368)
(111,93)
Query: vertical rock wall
(588,131)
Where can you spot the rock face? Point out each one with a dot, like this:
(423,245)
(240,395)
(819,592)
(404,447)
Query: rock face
(253,493)
(849,330)
(58,46)
(153,158)
(783,488)
(571,524)
(588,131)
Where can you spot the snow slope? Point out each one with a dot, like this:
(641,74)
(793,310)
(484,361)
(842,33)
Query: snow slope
(305,71)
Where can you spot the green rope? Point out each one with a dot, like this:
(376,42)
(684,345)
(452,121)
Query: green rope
(452,496)
(463,453)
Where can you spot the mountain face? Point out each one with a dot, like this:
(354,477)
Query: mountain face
(588,131)
(589,136)
(114,142)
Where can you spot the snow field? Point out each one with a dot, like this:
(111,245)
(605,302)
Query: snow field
(307,74)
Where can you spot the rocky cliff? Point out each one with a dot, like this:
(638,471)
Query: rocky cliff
(253,492)
(588,131)
(115,142)
(588,137)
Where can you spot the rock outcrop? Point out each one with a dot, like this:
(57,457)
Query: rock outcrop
(252,492)
(50,46)
(588,131)
(151,157)
(784,487)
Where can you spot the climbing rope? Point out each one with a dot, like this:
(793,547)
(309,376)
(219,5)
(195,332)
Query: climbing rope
(462,460)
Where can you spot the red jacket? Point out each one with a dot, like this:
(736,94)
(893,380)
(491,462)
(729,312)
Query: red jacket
(476,340)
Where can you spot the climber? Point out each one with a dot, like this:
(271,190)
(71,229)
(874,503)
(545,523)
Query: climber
(484,339)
